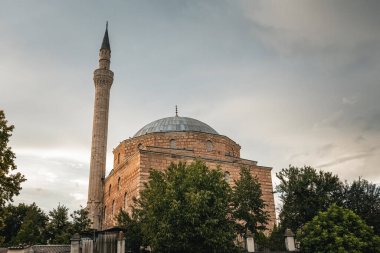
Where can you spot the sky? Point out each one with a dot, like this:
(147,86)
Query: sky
(293,82)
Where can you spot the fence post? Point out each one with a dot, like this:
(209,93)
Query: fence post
(75,243)
(289,240)
(120,243)
(250,242)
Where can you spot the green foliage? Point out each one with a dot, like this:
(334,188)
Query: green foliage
(261,242)
(363,198)
(276,240)
(304,192)
(23,224)
(13,217)
(9,182)
(28,224)
(81,222)
(338,230)
(248,205)
(32,230)
(132,230)
(186,209)
(58,228)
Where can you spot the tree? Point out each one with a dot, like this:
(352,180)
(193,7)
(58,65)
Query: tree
(59,226)
(13,217)
(248,205)
(32,230)
(304,192)
(338,230)
(186,209)
(9,182)
(81,222)
(132,230)
(363,198)
(23,224)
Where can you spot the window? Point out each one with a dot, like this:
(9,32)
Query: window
(173,143)
(139,146)
(227,177)
(109,190)
(125,201)
(113,208)
(118,184)
(118,158)
(104,214)
(209,146)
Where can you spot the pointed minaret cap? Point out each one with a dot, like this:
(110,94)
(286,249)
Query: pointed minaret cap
(106,41)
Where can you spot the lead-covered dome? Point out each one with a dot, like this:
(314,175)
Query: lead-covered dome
(176,124)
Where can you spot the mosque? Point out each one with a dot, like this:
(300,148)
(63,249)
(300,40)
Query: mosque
(156,145)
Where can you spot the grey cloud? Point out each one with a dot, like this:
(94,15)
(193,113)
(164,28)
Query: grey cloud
(318,22)
(47,199)
(332,38)
(373,123)
(325,150)
(52,180)
(349,100)
(360,139)
(370,152)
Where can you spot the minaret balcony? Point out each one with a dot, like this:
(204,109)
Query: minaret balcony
(103,72)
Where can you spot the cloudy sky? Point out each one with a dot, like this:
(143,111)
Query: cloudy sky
(293,82)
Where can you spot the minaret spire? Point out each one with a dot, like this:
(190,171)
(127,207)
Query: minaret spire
(106,41)
(103,78)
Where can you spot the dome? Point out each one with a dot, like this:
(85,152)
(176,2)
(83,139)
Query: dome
(175,124)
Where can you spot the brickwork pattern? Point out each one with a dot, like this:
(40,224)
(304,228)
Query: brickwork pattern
(133,158)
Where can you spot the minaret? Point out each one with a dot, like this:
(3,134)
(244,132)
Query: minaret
(103,78)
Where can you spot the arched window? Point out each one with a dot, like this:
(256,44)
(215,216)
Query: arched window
(173,143)
(109,190)
(227,177)
(125,205)
(113,208)
(118,158)
(209,146)
(118,184)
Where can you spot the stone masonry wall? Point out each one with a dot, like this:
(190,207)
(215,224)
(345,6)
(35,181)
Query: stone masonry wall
(133,158)
(120,187)
(194,141)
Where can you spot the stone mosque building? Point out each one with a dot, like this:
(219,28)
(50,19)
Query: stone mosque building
(156,145)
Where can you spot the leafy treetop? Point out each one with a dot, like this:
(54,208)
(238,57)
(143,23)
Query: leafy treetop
(363,198)
(9,183)
(338,230)
(186,209)
(248,205)
(304,192)
(58,228)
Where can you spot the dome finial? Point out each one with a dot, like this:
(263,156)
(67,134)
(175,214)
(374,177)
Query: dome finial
(176,110)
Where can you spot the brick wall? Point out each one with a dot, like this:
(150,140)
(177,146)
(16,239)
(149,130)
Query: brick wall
(133,158)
